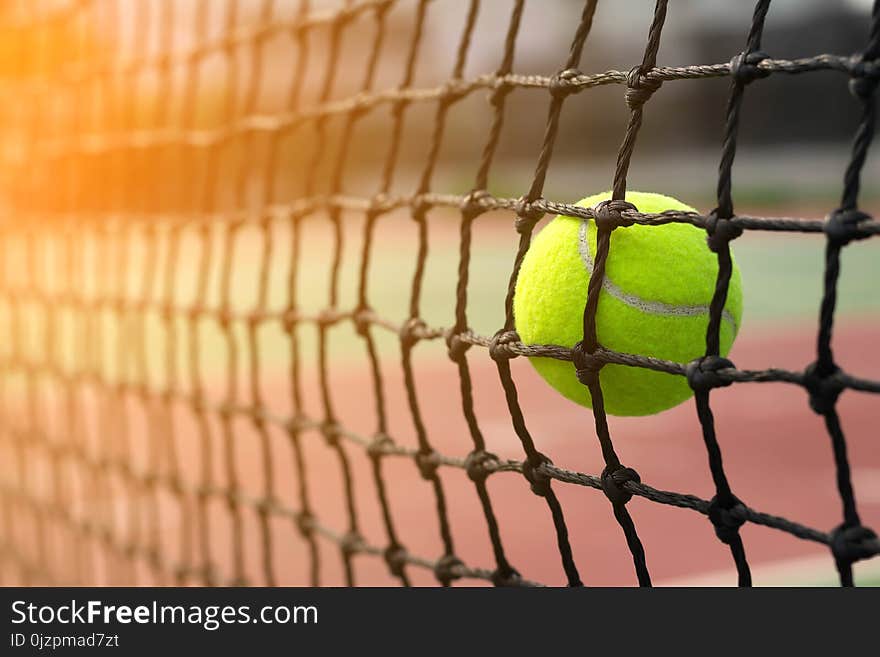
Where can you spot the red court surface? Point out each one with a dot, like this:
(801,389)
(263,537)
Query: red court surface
(776,451)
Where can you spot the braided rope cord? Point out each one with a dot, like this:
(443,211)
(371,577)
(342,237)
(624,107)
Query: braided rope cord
(103,241)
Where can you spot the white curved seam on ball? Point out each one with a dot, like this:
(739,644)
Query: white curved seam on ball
(652,307)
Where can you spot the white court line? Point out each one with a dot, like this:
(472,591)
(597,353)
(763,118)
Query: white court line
(802,571)
(866,482)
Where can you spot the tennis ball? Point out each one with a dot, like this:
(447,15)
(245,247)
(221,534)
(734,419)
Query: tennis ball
(659,281)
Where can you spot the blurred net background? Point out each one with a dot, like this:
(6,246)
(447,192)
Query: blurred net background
(231,257)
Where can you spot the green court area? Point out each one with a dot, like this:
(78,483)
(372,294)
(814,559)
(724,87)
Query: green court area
(782,279)
(781,275)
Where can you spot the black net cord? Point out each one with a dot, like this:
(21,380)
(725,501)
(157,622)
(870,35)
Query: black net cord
(527,216)
(409,333)
(525,223)
(726,527)
(305,517)
(381,438)
(255,80)
(347,547)
(539,485)
(639,90)
(504,573)
(840,227)
(720,231)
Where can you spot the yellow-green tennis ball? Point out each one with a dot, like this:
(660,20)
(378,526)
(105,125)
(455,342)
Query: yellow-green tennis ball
(659,281)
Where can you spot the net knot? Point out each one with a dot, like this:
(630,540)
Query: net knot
(608,215)
(500,89)
(327,317)
(614,478)
(226,411)
(395,558)
(744,67)
(235,224)
(149,479)
(410,332)
(720,231)
(447,569)
(181,573)
(843,226)
(266,221)
(361,318)
(824,387)
(586,365)
(863,79)
(563,83)
(176,486)
(427,463)
(479,464)
(398,108)
(527,215)
(474,204)
(305,524)
(264,506)
(360,106)
(506,576)
(351,543)
(379,446)
(296,423)
(538,481)
(168,311)
(420,206)
(456,347)
(639,88)
(381,9)
(453,91)
(853,543)
(129,551)
(289,320)
(500,345)
(705,373)
(224,318)
(346,15)
(330,431)
(378,204)
(727,518)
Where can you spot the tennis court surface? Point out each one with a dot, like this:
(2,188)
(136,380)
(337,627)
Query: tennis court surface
(257,263)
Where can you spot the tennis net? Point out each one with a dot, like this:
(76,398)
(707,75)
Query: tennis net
(148,146)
